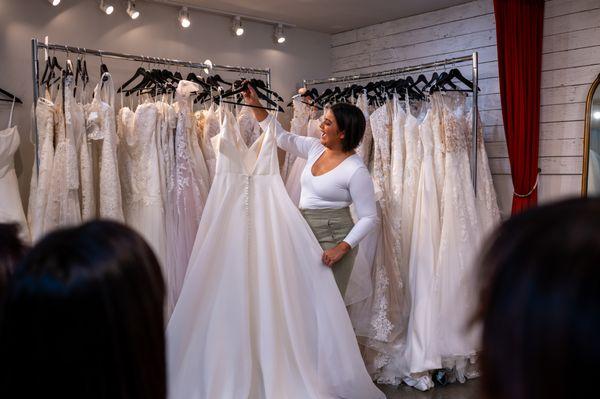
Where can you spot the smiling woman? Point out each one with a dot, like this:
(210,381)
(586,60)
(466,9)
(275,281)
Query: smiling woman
(334,178)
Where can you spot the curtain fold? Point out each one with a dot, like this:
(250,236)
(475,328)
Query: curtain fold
(519,32)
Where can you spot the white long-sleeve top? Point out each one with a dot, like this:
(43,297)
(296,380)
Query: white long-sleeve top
(346,184)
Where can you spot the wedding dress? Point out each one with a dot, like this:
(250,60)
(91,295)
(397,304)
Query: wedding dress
(420,356)
(101,129)
(460,235)
(190,190)
(62,207)
(249,126)
(259,315)
(292,183)
(299,126)
(143,203)
(486,201)
(41,174)
(364,148)
(11,207)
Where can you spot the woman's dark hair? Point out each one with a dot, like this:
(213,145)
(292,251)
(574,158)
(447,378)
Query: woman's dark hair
(84,318)
(11,251)
(541,303)
(350,120)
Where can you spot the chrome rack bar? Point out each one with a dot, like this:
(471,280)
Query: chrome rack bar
(474,58)
(36,46)
(154,60)
(396,71)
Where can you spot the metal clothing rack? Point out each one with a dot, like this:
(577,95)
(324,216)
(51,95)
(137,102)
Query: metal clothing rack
(36,46)
(473,58)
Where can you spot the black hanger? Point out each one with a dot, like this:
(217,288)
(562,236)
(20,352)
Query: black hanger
(139,72)
(11,96)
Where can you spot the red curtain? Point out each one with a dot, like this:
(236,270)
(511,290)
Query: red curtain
(519,32)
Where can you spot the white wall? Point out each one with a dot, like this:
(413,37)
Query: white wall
(155,33)
(571,60)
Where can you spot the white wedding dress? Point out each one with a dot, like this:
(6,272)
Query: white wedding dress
(259,315)
(11,207)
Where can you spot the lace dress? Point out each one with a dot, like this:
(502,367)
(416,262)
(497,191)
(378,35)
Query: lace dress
(62,208)
(210,129)
(143,205)
(487,203)
(412,166)
(364,148)
(40,183)
(292,183)
(249,126)
(456,286)
(101,129)
(420,355)
(378,320)
(439,166)
(298,125)
(86,164)
(190,190)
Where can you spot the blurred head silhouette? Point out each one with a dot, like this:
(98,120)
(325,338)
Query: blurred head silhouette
(84,318)
(541,303)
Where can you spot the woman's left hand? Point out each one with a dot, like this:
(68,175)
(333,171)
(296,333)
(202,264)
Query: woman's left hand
(333,255)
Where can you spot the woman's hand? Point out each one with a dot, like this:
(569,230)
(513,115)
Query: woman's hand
(333,255)
(251,98)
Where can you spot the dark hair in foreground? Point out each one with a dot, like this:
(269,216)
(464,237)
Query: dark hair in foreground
(541,303)
(11,251)
(84,318)
(350,120)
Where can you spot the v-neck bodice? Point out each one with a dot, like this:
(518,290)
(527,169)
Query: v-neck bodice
(260,158)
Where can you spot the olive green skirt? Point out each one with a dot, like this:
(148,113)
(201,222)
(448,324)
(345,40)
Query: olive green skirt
(331,226)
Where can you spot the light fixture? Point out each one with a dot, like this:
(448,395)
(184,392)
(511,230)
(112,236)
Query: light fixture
(106,7)
(184,17)
(54,2)
(597,115)
(278,34)
(131,10)
(236,26)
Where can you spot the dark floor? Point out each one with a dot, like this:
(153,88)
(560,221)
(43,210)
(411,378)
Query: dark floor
(468,390)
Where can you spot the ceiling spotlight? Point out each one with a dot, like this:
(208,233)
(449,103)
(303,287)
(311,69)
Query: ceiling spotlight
(237,27)
(278,34)
(597,115)
(131,10)
(54,2)
(106,7)
(184,17)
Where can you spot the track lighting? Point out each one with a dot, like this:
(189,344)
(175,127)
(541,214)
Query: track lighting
(131,10)
(236,27)
(184,17)
(106,7)
(278,34)
(54,2)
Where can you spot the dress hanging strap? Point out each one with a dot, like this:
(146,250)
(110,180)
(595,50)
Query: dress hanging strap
(12,108)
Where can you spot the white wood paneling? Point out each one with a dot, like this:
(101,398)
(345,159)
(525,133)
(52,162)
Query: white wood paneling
(570,62)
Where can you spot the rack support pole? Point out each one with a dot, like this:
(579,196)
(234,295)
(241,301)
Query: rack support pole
(35,77)
(475,111)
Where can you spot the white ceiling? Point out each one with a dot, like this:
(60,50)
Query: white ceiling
(329,16)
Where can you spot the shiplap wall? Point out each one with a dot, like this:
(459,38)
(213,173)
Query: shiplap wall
(571,61)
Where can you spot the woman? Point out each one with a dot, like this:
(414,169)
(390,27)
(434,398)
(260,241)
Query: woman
(540,303)
(334,178)
(84,318)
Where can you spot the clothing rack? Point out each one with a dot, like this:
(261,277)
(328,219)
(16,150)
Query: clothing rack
(36,46)
(473,58)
